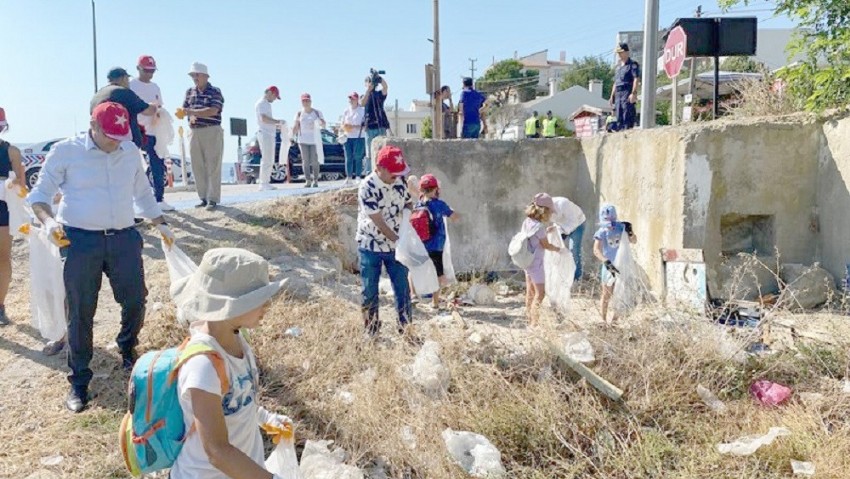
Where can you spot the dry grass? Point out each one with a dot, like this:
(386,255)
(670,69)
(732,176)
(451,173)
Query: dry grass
(546,422)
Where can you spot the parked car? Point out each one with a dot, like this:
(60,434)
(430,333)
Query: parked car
(248,167)
(32,157)
(173,169)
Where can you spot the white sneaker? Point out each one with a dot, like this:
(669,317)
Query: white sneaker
(165,206)
(266,188)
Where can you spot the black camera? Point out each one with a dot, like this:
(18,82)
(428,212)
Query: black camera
(376,76)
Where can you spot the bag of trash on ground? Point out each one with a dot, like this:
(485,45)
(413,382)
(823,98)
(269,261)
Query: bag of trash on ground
(47,285)
(448,265)
(283,461)
(474,453)
(578,348)
(750,444)
(318,462)
(428,371)
(628,289)
(560,270)
(409,249)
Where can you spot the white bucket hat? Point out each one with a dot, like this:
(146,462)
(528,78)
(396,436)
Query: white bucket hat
(198,67)
(229,282)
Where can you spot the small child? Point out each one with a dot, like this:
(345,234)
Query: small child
(439,209)
(606,244)
(229,291)
(538,215)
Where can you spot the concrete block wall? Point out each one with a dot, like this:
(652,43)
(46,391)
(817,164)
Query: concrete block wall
(833,197)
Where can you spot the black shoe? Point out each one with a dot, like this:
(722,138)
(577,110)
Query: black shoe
(128,360)
(202,204)
(77,400)
(54,347)
(4,320)
(211,206)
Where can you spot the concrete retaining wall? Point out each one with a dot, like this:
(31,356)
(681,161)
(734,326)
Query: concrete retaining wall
(674,184)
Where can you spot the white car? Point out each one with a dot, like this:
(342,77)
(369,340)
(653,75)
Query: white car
(32,157)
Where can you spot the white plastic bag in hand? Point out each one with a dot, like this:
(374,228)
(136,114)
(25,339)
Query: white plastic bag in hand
(409,249)
(424,278)
(285,141)
(283,462)
(320,150)
(628,289)
(560,271)
(47,286)
(448,266)
(18,214)
(179,264)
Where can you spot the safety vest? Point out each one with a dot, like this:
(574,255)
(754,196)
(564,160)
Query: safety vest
(549,127)
(531,126)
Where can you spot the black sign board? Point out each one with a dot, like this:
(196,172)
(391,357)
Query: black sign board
(238,127)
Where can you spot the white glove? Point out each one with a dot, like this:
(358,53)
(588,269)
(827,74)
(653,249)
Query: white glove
(167,235)
(272,419)
(55,232)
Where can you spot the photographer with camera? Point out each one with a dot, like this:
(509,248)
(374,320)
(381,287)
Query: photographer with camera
(375,122)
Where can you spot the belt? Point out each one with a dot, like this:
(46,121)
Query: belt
(623,88)
(106,232)
(195,127)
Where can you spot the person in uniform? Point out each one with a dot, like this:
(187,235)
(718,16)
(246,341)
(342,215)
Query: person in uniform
(624,93)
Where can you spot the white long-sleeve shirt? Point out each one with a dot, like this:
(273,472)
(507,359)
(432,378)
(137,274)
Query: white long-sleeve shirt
(98,189)
(567,214)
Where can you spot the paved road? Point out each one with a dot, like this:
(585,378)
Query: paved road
(234,194)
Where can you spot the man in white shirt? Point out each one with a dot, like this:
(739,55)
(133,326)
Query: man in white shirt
(570,219)
(266,135)
(101,178)
(355,143)
(309,140)
(149,92)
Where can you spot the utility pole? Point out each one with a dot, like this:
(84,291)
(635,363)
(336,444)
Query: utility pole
(438,104)
(94,43)
(650,64)
(472,69)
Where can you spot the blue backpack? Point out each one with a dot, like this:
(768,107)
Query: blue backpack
(152,432)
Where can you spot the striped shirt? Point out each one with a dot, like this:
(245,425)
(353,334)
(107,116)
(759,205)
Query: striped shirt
(209,97)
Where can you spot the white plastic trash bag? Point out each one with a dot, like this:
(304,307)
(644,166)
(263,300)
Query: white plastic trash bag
(179,264)
(15,200)
(628,288)
(560,269)
(285,141)
(409,249)
(320,150)
(428,372)
(578,348)
(47,286)
(448,266)
(474,453)
(163,130)
(318,462)
(283,462)
(424,278)
(750,444)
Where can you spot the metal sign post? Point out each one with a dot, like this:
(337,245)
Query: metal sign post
(183,166)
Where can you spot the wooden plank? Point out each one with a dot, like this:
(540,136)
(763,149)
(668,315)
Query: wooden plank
(601,384)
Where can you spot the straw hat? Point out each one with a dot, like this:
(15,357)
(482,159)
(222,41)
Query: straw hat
(229,282)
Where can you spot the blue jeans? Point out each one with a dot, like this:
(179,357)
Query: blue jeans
(371,134)
(370,274)
(90,254)
(157,168)
(575,246)
(471,130)
(355,149)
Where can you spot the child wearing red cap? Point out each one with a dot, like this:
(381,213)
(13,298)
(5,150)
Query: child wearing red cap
(435,239)
(538,215)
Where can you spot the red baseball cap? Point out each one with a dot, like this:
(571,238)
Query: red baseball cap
(113,119)
(305,96)
(354,94)
(391,158)
(428,182)
(147,62)
(274,90)
(3,117)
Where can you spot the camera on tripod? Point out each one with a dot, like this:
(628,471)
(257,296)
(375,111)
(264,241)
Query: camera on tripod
(376,76)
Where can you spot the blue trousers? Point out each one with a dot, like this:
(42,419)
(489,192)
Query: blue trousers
(370,273)
(471,130)
(157,168)
(90,254)
(624,110)
(575,246)
(371,134)
(355,150)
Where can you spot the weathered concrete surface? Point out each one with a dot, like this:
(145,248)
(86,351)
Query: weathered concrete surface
(674,184)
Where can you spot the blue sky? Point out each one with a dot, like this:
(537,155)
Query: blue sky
(325,48)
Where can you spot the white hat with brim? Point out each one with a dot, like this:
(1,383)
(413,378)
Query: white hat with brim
(228,283)
(198,67)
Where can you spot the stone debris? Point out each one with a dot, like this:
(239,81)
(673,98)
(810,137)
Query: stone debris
(481,294)
(806,287)
(428,372)
(319,462)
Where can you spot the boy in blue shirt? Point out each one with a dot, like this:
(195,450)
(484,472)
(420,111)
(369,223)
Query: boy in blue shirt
(605,246)
(438,209)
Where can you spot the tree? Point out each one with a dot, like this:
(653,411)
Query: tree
(508,77)
(427,129)
(743,64)
(590,68)
(822,78)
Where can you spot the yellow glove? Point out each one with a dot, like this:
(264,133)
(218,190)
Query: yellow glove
(286,432)
(180,113)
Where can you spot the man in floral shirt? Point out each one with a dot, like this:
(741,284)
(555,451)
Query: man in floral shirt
(382,198)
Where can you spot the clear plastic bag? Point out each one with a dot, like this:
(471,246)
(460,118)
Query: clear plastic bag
(283,462)
(628,286)
(179,264)
(448,266)
(15,201)
(560,270)
(47,285)
(749,444)
(409,250)
(320,150)
(163,130)
(474,453)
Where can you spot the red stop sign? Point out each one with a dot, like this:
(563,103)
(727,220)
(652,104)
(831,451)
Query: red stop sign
(674,52)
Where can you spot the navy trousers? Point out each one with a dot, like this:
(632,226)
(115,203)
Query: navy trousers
(157,166)
(90,254)
(625,110)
